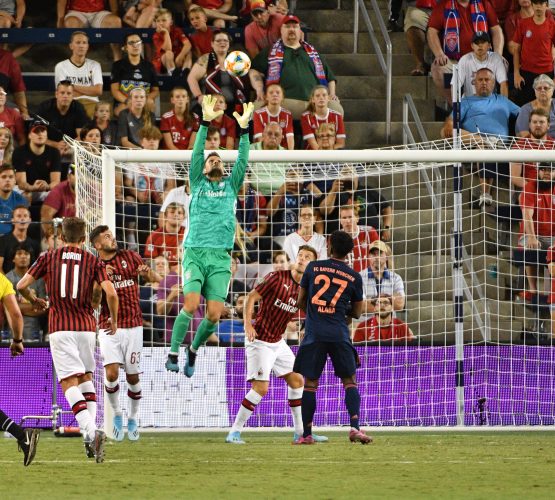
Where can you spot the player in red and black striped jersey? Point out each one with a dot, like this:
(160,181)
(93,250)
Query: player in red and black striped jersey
(122,348)
(265,348)
(71,274)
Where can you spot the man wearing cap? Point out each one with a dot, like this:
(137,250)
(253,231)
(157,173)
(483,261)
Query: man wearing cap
(264,30)
(60,202)
(378,279)
(211,234)
(482,57)
(296,66)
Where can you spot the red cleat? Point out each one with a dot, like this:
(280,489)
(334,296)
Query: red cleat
(305,440)
(358,436)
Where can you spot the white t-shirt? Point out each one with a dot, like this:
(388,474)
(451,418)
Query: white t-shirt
(469,65)
(294,241)
(87,75)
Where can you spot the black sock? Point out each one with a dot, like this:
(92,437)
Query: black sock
(173,358)
(308,408)
(192,357)
(7,424)
(352,402)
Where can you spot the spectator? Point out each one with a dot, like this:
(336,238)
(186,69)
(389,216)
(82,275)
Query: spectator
(167,240)
(38,165)
(9,199)
(133,71)
(363,236)
(224,124)
(6,146)
(132,119)
(10,118)
(23,256)
(216,11)
(173,48)
(394,14)
(209,71)
(523,10)
(482,57)
(180,195)
(12,13)
(60,202)
(91,138)
(11,79)
(484,113)
(213,139)
(378,279)
(318,112)
(305,235)
(21,219)
(264,29)
(232,329)
(374,209)
(383,326)
(537,202)
(179,126)
(148,293)
(415,26)
(450,29)
(107,126)
(85,74)
(273,112)
(140,13)
(296,66)
(267,177)
(78,14)
(201,37)
(543,88)
(64,116)
(280,261)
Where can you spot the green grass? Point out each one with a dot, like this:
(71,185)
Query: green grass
(200,465)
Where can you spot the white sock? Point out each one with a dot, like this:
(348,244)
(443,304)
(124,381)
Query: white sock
(294,396)
(248,405)
(134,396)
(78,404)
(87,388)
(112,394)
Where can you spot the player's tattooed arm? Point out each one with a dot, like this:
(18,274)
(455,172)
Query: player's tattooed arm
(96,295)
(301,301)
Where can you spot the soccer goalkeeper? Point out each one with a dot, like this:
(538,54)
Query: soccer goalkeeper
(209,241)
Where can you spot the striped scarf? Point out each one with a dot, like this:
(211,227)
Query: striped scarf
(275,63)
(451,41)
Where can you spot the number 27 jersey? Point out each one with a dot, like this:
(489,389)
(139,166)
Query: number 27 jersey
(331,287)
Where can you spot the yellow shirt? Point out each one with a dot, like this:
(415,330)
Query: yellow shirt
(6,288)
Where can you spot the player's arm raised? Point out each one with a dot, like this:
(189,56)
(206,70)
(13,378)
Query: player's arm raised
(240,167)
(248,313)
(113,303)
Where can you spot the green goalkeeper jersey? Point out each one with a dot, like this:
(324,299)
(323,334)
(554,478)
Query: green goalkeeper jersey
(213,204)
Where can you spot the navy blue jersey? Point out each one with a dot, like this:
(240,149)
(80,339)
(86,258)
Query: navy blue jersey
(331,287)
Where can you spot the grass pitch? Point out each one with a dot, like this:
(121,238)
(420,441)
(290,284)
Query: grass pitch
(489,465)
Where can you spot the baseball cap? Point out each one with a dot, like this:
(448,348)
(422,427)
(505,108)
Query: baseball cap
(258,5)
(37,126)
(481,36)
(290,18)
(380,245)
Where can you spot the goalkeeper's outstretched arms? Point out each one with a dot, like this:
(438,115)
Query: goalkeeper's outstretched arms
(240,167)
(197,158)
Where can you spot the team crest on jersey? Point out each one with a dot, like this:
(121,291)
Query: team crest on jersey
(221,184)
(528,34)
(188,275)
(282,124)
(123,264)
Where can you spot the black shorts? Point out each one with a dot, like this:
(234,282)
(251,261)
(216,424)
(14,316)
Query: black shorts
(311,359)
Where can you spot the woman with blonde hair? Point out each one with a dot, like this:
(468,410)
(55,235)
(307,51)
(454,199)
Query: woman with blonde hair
(6,145)
(132,119)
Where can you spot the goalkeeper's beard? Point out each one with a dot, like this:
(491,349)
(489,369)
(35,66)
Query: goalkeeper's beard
(215,172)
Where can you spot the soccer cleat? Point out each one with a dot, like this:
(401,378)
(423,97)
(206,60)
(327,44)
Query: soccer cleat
(171,364)
(305,440)
(117,428)
(99,440)
(29,445)
(316,437)
(234,437)
(358,436)
(189,369)
(89,449)
(132,430)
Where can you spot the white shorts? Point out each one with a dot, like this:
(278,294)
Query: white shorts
(123,348)
(72,353)
(89,19)
(264,358)
(416,18)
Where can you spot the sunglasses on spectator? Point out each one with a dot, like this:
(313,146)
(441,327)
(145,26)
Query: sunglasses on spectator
(134,43)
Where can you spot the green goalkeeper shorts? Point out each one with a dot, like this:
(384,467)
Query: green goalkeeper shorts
(207,271)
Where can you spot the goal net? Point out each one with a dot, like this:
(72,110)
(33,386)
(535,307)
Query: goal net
(478,348)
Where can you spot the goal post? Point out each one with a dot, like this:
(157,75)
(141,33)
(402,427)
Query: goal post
(482,350)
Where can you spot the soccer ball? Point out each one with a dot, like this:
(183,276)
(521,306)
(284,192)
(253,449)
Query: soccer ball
(237,63)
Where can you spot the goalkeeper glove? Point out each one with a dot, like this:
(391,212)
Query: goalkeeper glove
(245,118)
(208,112)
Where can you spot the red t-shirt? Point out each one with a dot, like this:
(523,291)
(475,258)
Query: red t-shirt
(10,73)
(369,330)
(11,118)
(310,123)
(227,127)
(178,39)
(358,258)
(262,117)
(202,41)
(466,31)
(62,199)
(258,38)
(530,171)
(542,202)
(180,133)
(85,5)
(535,42)
(161,243)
